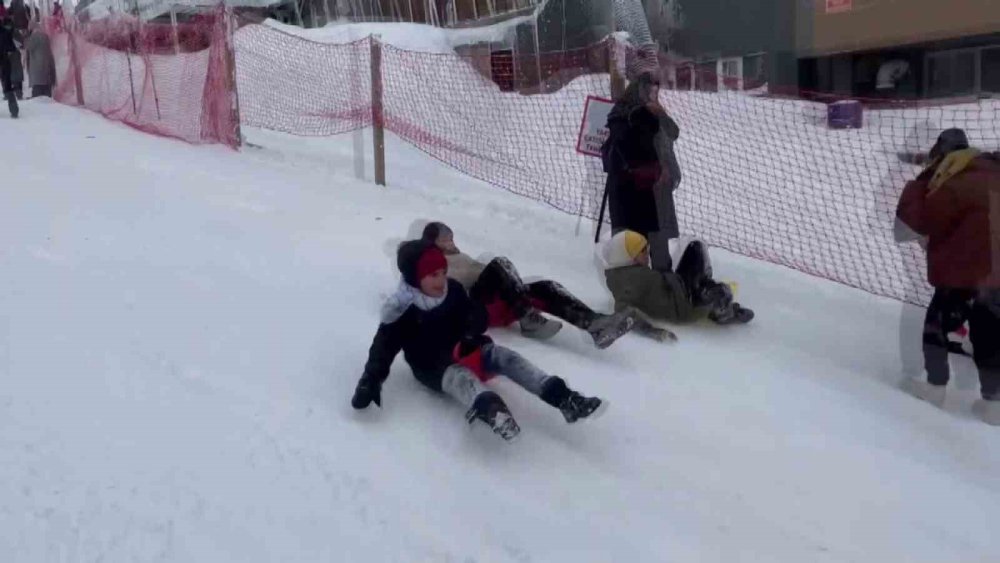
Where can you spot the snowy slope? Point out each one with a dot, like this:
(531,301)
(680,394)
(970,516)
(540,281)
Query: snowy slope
(183,326)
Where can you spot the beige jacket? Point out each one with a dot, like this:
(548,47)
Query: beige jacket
(464,269)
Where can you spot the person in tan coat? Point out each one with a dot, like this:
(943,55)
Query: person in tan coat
(508,299)
(41,63)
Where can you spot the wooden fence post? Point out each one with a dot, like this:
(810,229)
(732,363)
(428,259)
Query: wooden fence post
(232,25)
(378,111)
(617,80)
(173,27)
(74,58)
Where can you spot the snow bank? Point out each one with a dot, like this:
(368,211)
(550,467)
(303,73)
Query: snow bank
(409,36)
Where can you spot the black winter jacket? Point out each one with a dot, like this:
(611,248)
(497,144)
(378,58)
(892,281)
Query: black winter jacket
(427,338)
(6,48)
(642,168)
(634,168)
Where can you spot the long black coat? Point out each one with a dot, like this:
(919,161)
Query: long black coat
(427,338)
(6,48)
(634,168)
(643,170)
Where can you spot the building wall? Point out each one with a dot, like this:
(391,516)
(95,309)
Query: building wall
(920,33)
(716,29)
(876,24)
(573,24)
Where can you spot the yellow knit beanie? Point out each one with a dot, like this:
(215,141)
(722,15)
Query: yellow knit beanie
(634,244)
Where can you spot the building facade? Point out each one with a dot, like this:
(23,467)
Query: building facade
(735,44)
(893,49)
(912,49)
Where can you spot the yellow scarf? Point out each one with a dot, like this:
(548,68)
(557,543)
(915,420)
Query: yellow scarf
(951,165)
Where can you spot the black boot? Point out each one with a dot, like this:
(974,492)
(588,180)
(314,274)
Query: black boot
(712,294)
(12,105)
(490,409)
(695,267)
(606,329)
(734,313)
(571,404)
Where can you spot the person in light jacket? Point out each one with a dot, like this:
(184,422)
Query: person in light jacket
(41,63)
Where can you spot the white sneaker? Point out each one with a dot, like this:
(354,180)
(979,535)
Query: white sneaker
(921,389)
(987,411)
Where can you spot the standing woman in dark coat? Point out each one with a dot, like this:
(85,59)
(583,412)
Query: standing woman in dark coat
(19,19)
(642,169)
(16,65)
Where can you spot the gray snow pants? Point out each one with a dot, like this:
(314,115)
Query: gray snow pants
(460,383)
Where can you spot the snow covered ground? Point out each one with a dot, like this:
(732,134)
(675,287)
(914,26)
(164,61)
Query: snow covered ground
(182,328)
(408,36)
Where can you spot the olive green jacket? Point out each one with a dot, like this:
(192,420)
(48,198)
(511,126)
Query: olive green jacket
(661,296)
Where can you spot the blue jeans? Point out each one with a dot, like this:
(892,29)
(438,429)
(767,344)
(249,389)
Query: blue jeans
(460,383)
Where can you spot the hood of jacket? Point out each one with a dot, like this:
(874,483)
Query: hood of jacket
(951,165)
(613,253)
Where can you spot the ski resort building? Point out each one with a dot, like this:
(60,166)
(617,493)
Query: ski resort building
(860,48)
(913,49)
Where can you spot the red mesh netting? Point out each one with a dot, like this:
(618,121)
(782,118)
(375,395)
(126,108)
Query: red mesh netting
(769,179)
(141,76)
(289,84)
(524,144)
(763,176)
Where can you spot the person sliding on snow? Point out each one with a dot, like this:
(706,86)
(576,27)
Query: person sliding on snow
(955,203)
(679,296)
(499,287)
(440,330)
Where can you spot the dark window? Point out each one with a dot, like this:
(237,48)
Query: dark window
(991,70)
(684,78)
(707,79)
(754,72)
(951,73)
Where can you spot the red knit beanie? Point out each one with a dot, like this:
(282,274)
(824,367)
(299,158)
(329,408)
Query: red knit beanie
(430,261)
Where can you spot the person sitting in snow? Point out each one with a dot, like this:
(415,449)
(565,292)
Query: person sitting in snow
(680,296)
(498,286)
(440,330)
(955,203)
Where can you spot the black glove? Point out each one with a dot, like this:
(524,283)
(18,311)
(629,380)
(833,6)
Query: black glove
(469,344)
(478,320)
(367,391)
